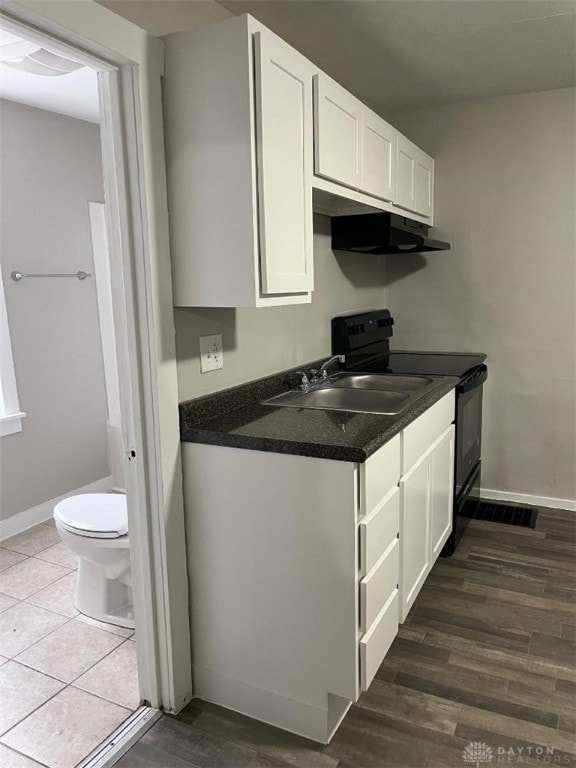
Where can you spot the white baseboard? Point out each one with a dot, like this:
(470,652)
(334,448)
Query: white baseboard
(299,717)
(531,501)
(30,517)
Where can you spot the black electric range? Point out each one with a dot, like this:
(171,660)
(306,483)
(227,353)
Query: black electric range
(363,340)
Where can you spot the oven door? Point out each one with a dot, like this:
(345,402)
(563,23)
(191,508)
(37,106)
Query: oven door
(468,427)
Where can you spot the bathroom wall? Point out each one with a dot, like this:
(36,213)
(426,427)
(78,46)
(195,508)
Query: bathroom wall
(257,342)
(50,169)
(505,193)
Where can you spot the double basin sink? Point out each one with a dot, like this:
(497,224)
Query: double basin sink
(385,394)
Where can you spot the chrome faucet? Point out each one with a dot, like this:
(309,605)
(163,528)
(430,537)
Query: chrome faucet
(304,380)
(322,373)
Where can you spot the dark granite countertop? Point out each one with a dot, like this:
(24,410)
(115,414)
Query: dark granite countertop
(235,417)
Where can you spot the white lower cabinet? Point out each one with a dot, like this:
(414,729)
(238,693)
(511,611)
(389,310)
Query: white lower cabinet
(301,568)
(376,642)
(415,530)
(441,497)
(426,515)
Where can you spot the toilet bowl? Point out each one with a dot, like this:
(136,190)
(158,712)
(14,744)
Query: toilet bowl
(94,526)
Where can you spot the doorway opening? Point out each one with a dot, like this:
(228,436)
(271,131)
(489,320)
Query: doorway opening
(73,578)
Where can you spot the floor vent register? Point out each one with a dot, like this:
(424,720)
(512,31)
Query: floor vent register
(502,513)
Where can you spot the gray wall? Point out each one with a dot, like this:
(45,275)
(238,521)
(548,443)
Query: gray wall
(258,342)
(50,169)
(505,197)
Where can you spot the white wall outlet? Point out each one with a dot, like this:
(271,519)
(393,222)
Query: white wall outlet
(211,357)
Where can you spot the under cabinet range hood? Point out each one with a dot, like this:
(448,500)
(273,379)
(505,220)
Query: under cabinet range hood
(376,233)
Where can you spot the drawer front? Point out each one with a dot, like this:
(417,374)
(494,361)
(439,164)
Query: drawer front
(378,530)
(380,473)
(419,436)
(375,643)
(378,585)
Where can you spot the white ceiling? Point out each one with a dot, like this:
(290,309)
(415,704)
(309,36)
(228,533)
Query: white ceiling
(74,94)
(403,54)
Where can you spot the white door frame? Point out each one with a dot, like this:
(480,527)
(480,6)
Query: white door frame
(131,131)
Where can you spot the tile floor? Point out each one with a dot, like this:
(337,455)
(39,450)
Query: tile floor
(66,681)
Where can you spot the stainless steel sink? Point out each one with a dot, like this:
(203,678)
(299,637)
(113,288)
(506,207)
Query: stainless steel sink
(381,381)
(358,393)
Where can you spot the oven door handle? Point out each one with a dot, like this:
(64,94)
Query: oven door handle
(476,381)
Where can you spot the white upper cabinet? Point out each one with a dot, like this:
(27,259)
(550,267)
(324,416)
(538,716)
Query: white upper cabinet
(285,158)
(337,133)
(414,178)
(378,156)
(256,137)
(239,139)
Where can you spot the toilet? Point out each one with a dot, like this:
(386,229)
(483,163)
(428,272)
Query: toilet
(94,526)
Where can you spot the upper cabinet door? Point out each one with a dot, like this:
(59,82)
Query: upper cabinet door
(337,133)
(378,156)
(423,184)
(414,178)
(285,166)
(405,174)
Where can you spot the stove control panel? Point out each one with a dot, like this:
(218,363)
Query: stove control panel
(353,332)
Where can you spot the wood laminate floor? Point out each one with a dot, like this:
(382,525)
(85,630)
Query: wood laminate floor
(487,655)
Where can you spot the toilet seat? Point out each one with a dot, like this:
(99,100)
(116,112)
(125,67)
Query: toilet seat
(95,515)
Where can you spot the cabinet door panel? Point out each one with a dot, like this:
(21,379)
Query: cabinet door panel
(284,139)
(421,435)
(378,585)
(441,492)
(404,174)
(378,156)
(414,178)
(337,133)
(414,531)
(379,475)
(375,643)
(378,530)
(423,184)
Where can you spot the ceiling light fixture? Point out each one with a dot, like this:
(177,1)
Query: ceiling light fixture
(27,57)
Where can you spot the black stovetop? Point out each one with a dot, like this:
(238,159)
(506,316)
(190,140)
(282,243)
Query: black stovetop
(432,363)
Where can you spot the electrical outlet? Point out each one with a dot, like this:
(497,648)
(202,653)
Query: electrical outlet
(211,357)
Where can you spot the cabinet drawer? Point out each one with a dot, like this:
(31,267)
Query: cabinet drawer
(379,475)
(375,643)
(378,585)
(419,436)
(378,530)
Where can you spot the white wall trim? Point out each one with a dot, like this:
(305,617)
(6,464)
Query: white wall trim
(130,63)
(30,517)
(11,424)
(101,255)
(10,412)
(525,498)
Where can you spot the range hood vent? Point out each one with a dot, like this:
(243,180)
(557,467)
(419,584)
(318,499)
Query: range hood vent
(377,233)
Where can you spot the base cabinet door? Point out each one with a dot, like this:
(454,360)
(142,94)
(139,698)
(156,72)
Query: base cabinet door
(414,531)
(376,642)
(441,495)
